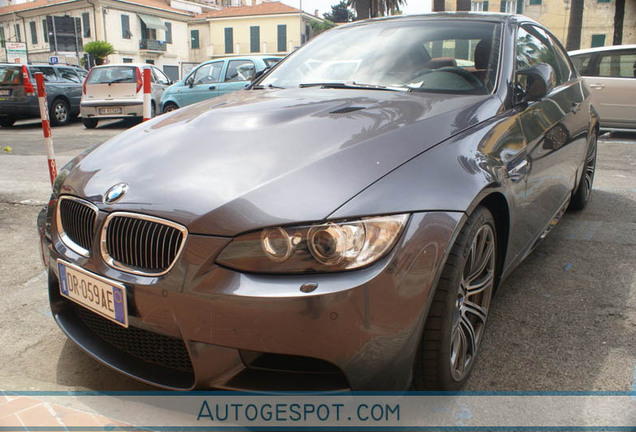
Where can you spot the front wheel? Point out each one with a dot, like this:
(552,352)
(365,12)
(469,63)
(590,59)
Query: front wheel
(583,192)
(169,107)
(60,113)
(456,322)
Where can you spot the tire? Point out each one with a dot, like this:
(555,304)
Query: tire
(169,107)
(6,121)
(89,123)
(59,114)
(456,321)
(583,192)
(153,110)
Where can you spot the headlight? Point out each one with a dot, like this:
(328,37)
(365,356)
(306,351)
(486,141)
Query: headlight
(324,247)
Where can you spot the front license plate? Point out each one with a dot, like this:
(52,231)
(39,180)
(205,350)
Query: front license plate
(107,111)
(102,296)
(5,92)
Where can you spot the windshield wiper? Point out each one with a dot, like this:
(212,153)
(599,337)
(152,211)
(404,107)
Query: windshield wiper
(262,87)
(354,85)
(118,80)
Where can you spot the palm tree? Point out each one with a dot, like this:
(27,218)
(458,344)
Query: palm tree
(574,27)
(619,16)
(375,8)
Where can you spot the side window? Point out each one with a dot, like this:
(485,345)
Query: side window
(68,75)
(582,64)
(208,74)
(618,65)
(240,70)
(532,50)
(562,59)
(82,73)
(48,72)
(160,77)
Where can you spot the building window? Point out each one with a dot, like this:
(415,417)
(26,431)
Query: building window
(34,33)
(229,40)
(479,6)
(2,37)
(168,32)
(125,27)
(282,37)
(255,39)
(18,35)
(510,6)
(535,2)
(604,1)
(45,31)
(598,40)
(147,33)
(194,39)
(86,24)
(127,60)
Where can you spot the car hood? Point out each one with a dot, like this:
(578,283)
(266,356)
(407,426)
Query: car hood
(269,157)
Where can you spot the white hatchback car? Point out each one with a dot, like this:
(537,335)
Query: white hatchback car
(116,91)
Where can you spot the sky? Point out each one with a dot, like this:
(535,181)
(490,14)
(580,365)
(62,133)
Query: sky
(412,6)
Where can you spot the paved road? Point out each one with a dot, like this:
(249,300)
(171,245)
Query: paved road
(565,320)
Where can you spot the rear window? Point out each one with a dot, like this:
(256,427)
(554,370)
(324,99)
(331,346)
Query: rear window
(113,74)
(269,62)
(10,74)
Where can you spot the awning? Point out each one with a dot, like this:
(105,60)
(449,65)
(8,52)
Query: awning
(153,22)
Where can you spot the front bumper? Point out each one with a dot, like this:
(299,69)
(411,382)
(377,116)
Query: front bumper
(204,326)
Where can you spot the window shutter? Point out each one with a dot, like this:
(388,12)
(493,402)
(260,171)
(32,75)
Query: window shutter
(194,38)
(520,6)
(86,24)
(485,6)
(34,33)
(255,39)
(502,8)
(229,40)
(168,32)
(125,27)
(282,37)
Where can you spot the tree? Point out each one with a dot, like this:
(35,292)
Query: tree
(375,8)
(619,16)
(574,27)
(319,27)
(99,50)
(340,13)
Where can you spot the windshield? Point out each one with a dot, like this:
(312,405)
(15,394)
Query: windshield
(113,74)
(432,56)
(10,74)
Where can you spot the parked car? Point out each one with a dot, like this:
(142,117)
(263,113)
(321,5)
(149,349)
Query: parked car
(215,78)
(611,74)
(343,223)
(18,92)
(116,91)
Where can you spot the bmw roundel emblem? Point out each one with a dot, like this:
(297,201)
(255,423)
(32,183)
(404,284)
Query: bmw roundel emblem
(115,193)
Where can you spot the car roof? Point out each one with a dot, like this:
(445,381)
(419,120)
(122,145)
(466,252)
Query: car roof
(601,49)
(141,65)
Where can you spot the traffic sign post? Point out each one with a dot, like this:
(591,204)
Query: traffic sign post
(46,125)
(146,107)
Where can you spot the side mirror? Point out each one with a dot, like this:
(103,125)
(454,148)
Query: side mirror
(190,82)
(536,82)
(260,73)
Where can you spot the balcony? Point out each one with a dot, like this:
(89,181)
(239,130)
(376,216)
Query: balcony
(152,45)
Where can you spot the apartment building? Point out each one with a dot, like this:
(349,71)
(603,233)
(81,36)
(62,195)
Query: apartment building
(597,23)
(145,31)
(271,28)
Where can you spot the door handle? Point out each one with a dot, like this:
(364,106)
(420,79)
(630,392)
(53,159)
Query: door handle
(597,86)
(212,87)
(518,171)
(575,107)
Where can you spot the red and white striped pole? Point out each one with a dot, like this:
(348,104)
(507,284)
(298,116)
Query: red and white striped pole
(46,125)
(147,100)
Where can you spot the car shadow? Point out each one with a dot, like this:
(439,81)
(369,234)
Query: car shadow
(557,320)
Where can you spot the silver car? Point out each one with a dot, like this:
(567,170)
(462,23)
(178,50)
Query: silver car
(116,91)
(610,73)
